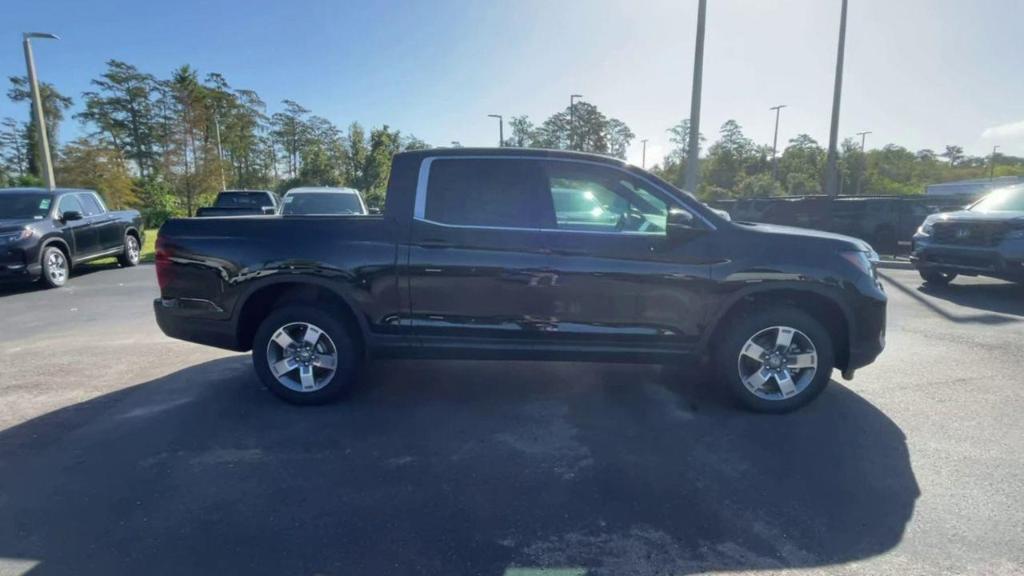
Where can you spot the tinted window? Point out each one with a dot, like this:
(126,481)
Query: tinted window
(23,206)
(594,198)
(243,199)
(484,192)
(92,207)
(70,203)
(312,203)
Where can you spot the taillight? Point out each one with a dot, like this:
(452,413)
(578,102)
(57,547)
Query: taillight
(163,263)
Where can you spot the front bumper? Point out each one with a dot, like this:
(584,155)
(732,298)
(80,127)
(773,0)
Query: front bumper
(867,334)
(189,320)
(1005,260)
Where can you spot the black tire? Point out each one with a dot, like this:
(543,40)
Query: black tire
(55,267)
(338,335)
(728,361)
(132,252)
(936,277)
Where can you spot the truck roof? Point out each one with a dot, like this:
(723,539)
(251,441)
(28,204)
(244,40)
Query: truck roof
(510,151)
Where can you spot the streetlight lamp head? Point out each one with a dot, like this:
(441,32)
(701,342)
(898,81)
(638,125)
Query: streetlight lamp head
(41,35)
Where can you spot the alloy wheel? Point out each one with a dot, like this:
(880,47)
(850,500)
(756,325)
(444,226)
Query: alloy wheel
(56,267)
(302,357)
(777,363)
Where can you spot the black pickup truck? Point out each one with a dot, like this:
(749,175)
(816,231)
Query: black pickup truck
(525,254)
(241,203)
(44,233)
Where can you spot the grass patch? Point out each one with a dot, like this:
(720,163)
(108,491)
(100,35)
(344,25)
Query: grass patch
(148,252)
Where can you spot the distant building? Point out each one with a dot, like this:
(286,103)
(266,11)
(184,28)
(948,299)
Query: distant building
(975,187)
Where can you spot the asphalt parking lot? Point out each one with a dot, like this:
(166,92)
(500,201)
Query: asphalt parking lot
(122,451)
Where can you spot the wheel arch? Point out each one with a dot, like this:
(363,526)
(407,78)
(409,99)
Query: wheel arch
(819,302)
(261,299)
(61,244)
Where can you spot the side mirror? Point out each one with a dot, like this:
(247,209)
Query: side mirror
(70,215)
(373,210)
(269,210)
(681,224)
(723,213)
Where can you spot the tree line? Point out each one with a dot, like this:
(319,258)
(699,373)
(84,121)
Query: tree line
(167,145)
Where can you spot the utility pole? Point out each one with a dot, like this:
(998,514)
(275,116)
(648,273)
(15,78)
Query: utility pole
(992,164)
(643,154)
(832,172)
(572,120)
(693,156)
(775,141)
(37,107)
(501,128)
(860,179)
(220,151)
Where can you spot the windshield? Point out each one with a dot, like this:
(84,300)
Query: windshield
(243,199)
(321,203)
(25,206)
(1009,199)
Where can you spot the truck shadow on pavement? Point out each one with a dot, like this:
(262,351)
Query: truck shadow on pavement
(449,468)
(1001,297)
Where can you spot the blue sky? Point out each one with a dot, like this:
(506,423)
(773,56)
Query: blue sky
(921,73)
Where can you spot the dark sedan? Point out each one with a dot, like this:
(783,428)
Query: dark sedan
(45,233)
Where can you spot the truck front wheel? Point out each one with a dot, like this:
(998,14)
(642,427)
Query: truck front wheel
(775,360)
(304,356)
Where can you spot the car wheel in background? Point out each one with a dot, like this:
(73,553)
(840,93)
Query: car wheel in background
(775,360)
(132,251)
(55,267)
(937,278)
(305,356)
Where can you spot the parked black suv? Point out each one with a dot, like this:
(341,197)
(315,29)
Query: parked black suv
(44,233)
(986,239)
(475,257)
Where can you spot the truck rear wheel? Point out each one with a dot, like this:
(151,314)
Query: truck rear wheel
(775,360)
(305,356)
(132,252)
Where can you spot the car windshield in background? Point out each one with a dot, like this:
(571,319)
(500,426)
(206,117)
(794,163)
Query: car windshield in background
(242,199)
(25,206)
(321,203)
(1003,200)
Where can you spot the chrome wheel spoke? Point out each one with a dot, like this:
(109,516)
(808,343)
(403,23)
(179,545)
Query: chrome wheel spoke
(805,360)
(283,339)
(284,366)
(326,361)
(785,382)
(312,335)
(754,351)
(757,379)
(306,376)
(784,338)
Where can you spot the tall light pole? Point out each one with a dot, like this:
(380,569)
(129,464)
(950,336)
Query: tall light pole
(37,107)
(501,128)
(832,172)
(572,120)
(693,156)
(992,164)
(863,138)
(220,151)
(775,141)
(643,154)
(860,180)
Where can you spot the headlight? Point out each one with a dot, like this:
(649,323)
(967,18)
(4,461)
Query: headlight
(7,238)
(862,260)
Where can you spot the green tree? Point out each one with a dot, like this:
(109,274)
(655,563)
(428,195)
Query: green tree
(524,133)
(54,106)
(97,166)
(289,132)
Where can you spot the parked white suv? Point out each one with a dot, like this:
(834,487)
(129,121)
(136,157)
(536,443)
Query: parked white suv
(322,202)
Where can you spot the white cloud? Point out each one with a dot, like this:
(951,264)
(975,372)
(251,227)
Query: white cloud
(1014,131)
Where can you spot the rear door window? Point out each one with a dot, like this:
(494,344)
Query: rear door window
(91,206)
(498,193)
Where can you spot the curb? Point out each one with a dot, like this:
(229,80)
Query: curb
(895,265)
